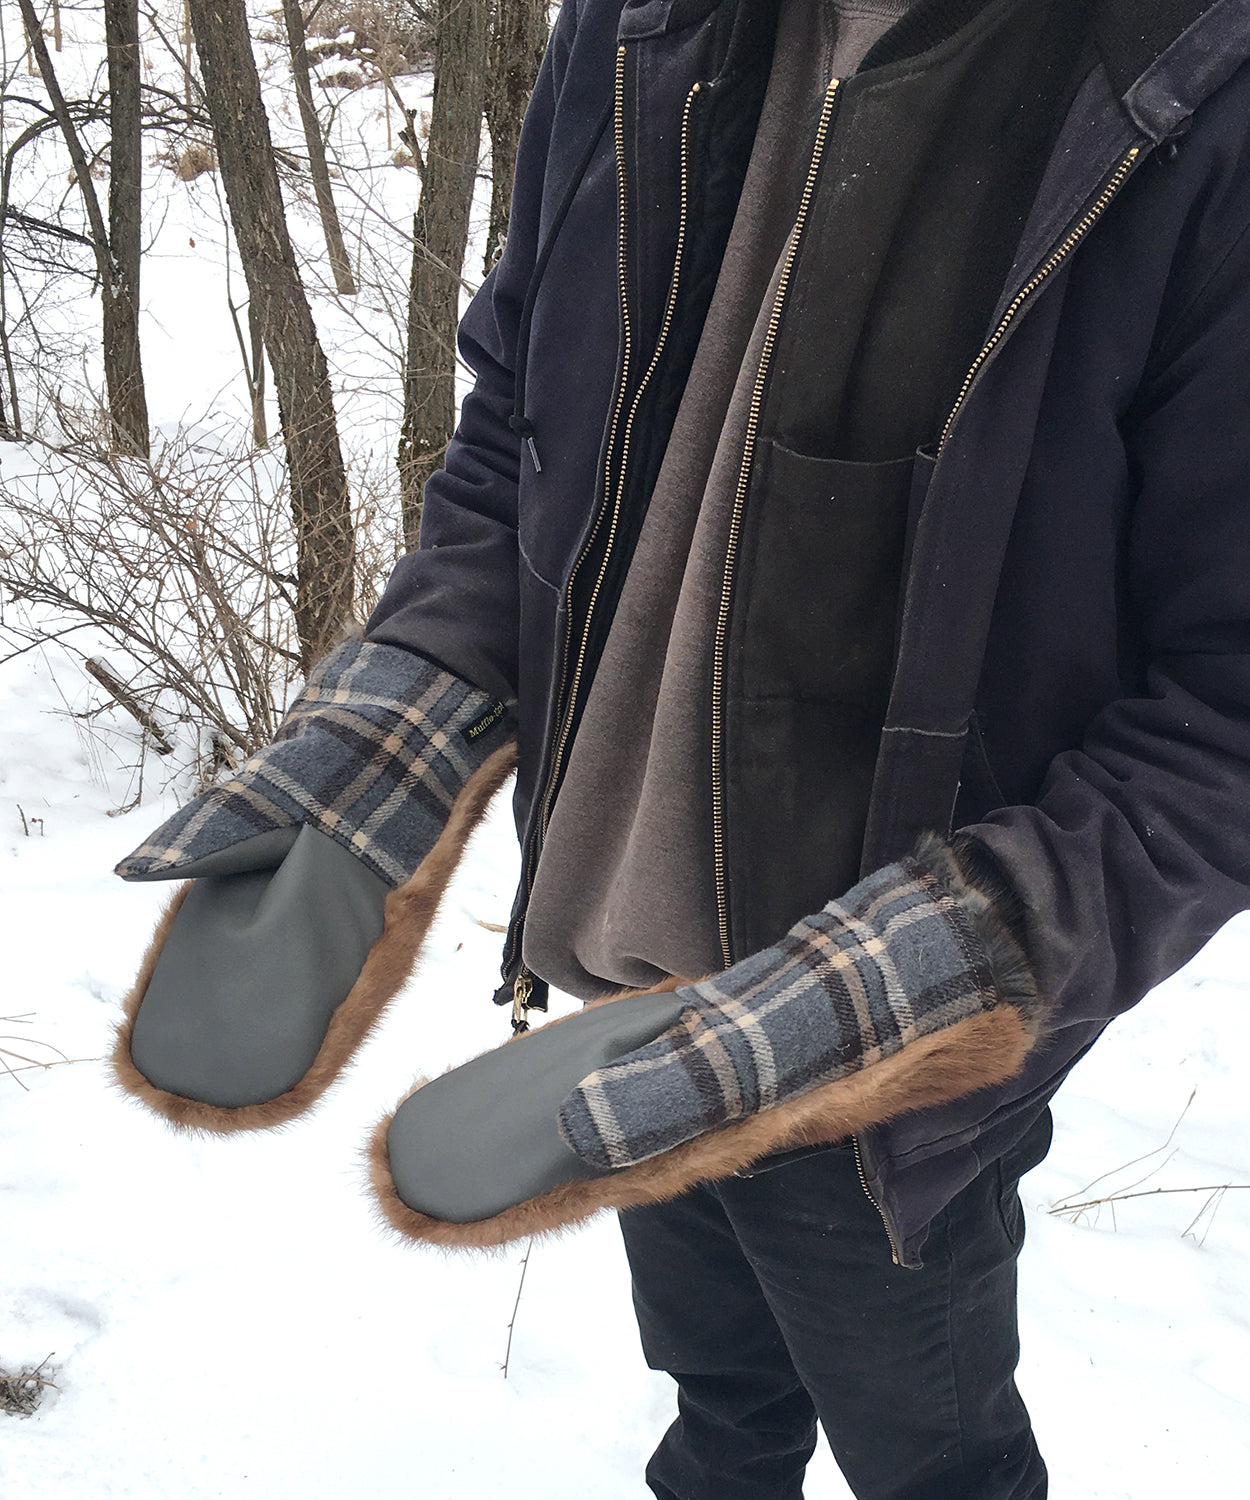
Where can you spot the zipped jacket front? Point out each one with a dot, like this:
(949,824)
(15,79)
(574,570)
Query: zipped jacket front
(1071,687)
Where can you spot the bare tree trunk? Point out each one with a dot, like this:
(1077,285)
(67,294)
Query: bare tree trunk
(440,236)
(252,353)
(9,431)
(319,500)
(256,378)
(10,419)
(119,280)
(123,367)
(339,262)
(188,41)
(519,31)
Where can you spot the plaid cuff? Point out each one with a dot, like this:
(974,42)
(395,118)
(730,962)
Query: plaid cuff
(373,752)
(898,958)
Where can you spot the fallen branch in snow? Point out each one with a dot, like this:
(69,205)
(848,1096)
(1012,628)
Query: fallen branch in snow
(520,1287)
(1066,1207)
(1215,1196)
(1074,1207)
(21,1394)
(121,694)
(1071,1206)
(24,1064)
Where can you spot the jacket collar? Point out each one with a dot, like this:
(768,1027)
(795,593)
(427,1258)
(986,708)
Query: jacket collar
(1163,57)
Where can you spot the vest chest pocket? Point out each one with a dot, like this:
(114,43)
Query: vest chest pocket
(823,560)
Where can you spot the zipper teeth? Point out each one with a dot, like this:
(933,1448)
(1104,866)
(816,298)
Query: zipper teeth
(614,428)
(1057,256)
(735,525)
(544,811)
(863,1182)
(626,432)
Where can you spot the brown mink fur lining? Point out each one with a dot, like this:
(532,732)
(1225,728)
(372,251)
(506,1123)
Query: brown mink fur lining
(409,912)
(974,1053)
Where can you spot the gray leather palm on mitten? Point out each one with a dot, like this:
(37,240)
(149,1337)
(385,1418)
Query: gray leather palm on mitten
(315,872)
(485,1136)
(253,968)
(909,991)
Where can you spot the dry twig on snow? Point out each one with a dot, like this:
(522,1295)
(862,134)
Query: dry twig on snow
(1076,1205)
(21,1394)
(14,1063)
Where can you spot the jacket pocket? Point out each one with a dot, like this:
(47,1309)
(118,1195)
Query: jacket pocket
(823,579)
(810,662)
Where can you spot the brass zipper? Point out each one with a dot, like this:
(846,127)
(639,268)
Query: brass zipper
(615,430)
(618,491)
(863,1182)
(735,525)
(1052,262)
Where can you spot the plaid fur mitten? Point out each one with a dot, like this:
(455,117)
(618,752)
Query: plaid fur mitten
(896,960)
(373,752)
(314,873)
(908,992)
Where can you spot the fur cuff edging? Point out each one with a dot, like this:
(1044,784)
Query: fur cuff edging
(987,908)
(409,914)
(975,1052)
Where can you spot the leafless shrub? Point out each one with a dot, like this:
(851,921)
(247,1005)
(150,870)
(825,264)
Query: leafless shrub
(379,533)
(184,563)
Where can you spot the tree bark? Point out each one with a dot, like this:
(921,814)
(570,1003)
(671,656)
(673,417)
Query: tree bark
(339,262)
(519,32)
(319,500)
(123,366)
(440,237)
(119,278)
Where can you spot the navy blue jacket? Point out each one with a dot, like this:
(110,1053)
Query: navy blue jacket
(1072,681)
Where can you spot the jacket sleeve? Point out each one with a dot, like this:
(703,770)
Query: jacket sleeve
(1138,847)
(455,599)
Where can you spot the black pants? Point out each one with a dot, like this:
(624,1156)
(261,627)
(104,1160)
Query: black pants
(773,1301)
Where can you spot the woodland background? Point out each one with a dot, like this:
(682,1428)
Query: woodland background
(320,188)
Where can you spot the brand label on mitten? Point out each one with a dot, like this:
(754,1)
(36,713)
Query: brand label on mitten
(484,723)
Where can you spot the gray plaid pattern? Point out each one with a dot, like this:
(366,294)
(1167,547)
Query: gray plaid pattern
(896,959)
(373,752)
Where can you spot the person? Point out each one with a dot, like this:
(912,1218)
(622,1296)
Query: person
(851,499)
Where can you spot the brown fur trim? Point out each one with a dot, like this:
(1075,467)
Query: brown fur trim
(410,910)
(972,1054)
(989,909)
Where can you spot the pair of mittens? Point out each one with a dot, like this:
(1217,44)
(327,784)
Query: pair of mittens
(314,874)
(909,992)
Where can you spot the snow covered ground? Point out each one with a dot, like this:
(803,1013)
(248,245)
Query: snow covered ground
(226,1318)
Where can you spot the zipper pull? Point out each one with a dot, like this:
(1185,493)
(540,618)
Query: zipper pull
(524,429)
(522,989)
(524,993)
